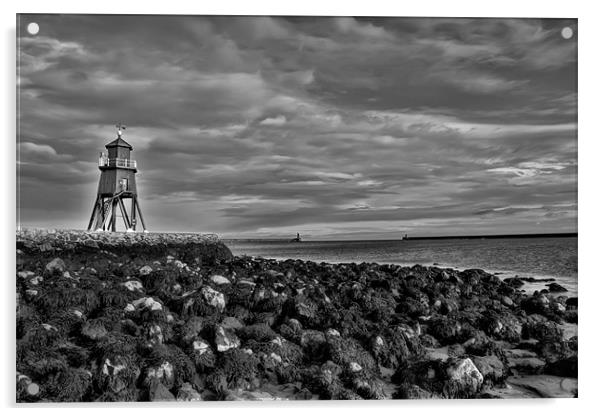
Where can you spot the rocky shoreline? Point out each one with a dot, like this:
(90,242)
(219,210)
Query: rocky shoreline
(162,317)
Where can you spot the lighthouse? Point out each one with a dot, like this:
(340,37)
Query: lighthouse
(117,191)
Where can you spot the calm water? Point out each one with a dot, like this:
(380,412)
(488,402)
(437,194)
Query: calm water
(525,257)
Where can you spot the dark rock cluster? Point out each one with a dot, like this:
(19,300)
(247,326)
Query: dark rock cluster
(116,317)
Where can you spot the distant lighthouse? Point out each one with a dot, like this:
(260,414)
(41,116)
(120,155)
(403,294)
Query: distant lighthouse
(117,187)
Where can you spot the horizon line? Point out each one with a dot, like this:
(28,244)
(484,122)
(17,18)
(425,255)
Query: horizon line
(442,237)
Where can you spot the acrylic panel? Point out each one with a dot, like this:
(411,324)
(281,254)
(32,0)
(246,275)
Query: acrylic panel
(295,208)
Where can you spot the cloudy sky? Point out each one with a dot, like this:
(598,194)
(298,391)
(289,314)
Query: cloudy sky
(332,127)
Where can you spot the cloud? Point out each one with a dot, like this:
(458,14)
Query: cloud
(37,149)
(338,126)
(273,121)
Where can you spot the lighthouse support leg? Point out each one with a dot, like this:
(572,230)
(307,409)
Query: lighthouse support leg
(124,214)
(114,216)
(94,214)
(140,214)
(133,213)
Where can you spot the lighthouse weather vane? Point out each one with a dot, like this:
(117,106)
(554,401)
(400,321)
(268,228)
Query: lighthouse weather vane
(120,128)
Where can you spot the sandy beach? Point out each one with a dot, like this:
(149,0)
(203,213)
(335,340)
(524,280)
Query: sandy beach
(164,317)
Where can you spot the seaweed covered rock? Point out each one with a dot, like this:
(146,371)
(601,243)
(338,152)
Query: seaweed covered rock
(457,378)
(491,368)
(347,351)
(225,339)
(117,367)
(464,378)
(239,368)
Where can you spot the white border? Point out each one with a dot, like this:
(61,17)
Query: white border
(590,202)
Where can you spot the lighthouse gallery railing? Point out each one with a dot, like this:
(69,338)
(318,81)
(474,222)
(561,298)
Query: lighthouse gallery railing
(117,163)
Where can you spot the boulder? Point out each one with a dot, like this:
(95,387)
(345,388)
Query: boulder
(202,354)
(345,351)
(134,286)
(571,303)
(146,303)
(225,339)
(506,301)
(465,376)
(231,322)
(313,342)
(160,374)
(414,392)
(159,393)
(219,280)
(214,298)
(491,367)
(145,270)
(515,282)
(55,267)
(187,393)
(94,329)
(564,367)
(556,288)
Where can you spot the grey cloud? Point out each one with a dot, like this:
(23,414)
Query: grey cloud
(253,124)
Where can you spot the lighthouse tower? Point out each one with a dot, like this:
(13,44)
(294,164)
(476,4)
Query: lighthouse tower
(117,187)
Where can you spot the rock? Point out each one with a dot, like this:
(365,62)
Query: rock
(543,331)
(25,274)
(94,329)
(506,301)
(313,342)
(466,376)
(147,303)
(117,374)
(220,280)
(159,393)
(145,270)
(203,355)
(214,298)
(515,282)
(55,267)
(555,288)
(36,280)
(133,286)
(230,322)
(31,294)
(331,332)
(491,367)
(240,395)
(187,393)
(443,276)
(257,332)
(368,387)
(344,351)
(538,303)
(433,354)
(526,365)
(160,374)
(557,307)
(564,367)
(414,392)
(355,367)
(571,303)
(25,387)
(225,339)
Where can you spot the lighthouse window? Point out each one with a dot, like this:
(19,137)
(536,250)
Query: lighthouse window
(123,184)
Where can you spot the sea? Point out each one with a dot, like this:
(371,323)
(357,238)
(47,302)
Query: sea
(538,257)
